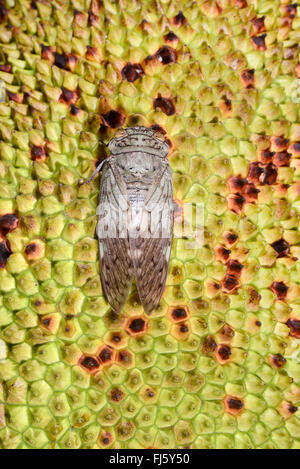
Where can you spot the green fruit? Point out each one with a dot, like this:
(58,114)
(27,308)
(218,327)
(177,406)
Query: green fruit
(216,366)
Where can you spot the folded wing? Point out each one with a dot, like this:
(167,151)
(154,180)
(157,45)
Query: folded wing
(112,229)
(151,244)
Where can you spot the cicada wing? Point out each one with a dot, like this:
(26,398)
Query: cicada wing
(112,229)
(151,244)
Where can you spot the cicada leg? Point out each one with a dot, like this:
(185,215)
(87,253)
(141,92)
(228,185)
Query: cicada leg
(97,170)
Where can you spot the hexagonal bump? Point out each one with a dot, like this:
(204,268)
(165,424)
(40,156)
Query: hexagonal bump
(35,250)
(125,358)
(89,363)
(106,355)
(181,331)
(136,326)
(223,353)
(178,313)
(51,322)
(233,405)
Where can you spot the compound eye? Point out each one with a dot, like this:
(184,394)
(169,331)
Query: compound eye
(160,136)
(120,133)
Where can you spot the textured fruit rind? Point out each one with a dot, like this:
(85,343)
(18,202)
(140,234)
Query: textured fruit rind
(217,364)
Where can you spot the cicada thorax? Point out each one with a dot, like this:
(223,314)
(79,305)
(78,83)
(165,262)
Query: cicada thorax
(139,171)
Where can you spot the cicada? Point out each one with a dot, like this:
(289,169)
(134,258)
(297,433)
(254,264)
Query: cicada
(135,217)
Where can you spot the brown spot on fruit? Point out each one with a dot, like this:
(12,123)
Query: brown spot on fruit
(247,78)
(89,363)
(4,254)
(179,19)
(297,70)
(258,25)
(35,250)
(259,42)
(234,267)
(159,131)
(236,184)
(80,18)
(223,353)
(30,249)
(212,288)
(278,143)
(253,298)
(50,322)
(208,345)
(277,361)
(114,119)
(180,313)
(229,284)
(294,326)
(282,159)
(170,37)
(183,328)
(289,11)
(60,60)
(38,153)
(96,6)
(281,189)
(280,290)
(151,64)
(226,334)
(149,394)
(136,326)
(16,97)
(8,223)
(180,331)
(116,339)
(294,149)
(106,438)
(230,237)
(282,247)
(5,68)
(233,405)
(74,110)
(287,409)
(222,254)
(250,192)
(166,55)
(132,71)
(117,395)
(240,3)
(165,105)
(65,62)
(292,409)
(106,355)
(3,10)
(48,52)
(236,202)
(255,171)
(125,358)
(93,20)
(68,96)
(226,106)
(265,156)
(269,175)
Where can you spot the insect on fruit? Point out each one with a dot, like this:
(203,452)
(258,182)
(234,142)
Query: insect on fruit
(135,216)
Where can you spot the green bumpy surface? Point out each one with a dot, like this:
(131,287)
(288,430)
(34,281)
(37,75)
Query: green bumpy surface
(217,365)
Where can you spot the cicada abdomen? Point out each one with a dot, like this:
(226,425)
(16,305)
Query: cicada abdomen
(135,217)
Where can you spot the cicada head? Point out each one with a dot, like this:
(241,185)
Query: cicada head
(139,139)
